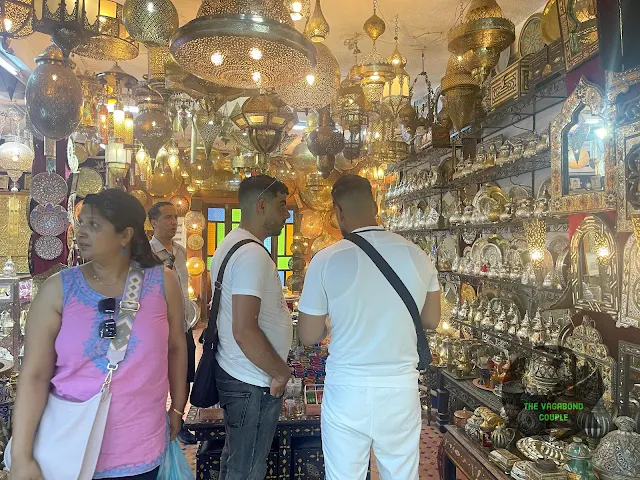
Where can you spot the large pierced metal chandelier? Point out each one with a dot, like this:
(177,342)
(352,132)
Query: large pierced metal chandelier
(244,44)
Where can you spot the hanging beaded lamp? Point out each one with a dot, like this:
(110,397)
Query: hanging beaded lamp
(240,43)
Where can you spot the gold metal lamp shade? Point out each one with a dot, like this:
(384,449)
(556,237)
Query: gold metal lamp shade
(54,95)
(243,43)
(16,18)
(480,39)
(316,89)
(460,89)
(69,22)
(151,22)
(209,124)
(152,127)
(317,27)
(15,158)
(113,42)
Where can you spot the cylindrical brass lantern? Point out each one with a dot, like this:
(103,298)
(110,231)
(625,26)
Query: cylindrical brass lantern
(113,42)
(460,89)
(54,95)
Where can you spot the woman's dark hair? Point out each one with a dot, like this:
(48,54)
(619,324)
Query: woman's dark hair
(122,211)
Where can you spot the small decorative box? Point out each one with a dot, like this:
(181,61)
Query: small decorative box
(544,470)
(313,399)
(503,459)
(511,83)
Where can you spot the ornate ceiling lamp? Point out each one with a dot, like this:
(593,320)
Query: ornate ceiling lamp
(480,39)
(69,22)
(243,43)
(320,85)
(151,22)
(396,93)
(152,127)
(268,120)
(16,19)
(16,157)
(353,118)
(113,42)
(54,95)
(317,28)
(374,69)
(209,124)
(325,142)
(460,89)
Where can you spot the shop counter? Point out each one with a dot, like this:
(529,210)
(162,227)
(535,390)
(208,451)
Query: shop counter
(296,452)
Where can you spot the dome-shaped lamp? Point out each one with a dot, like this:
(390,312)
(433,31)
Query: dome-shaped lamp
(243,43)
(151,22)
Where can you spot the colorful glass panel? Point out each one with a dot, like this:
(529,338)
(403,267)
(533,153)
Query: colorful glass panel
(216,214)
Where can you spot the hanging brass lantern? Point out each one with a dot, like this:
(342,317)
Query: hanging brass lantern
(374,26)
(298,9)
(460,89)
(480,39)
(352,117)
(302,159)
(16,158)
(325,165)
(320,85)
(54,95)
(152,128)
(268,119)
(243,43)
(113,42)
(151,22)
(209,124)
(374,72)
(158,57)
(69,22)
(325,140)
(317,28)
(16,19)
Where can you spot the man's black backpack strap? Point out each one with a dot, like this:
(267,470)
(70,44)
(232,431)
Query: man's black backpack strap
(204,393)
(397,284)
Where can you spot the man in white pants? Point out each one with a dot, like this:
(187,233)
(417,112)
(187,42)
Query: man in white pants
(371,397)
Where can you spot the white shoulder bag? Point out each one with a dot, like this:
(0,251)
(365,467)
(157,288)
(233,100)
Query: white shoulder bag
(69,437)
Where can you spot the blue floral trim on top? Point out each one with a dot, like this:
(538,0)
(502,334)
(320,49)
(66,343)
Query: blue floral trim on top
(75,286)
(137,469)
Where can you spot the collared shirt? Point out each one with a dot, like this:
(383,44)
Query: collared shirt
(373,337)
(179,269)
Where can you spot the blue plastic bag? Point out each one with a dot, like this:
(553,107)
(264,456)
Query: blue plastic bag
(174,465)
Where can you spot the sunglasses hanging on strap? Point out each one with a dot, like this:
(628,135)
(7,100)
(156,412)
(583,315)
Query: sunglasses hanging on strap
(69,437)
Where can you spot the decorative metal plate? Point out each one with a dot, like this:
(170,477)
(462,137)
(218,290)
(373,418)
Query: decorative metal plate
(49,220)
(48,248)
(89,181)
(562,267)
(476,249)
(467,292)
(515,192)
(48,187)
(181,203)
(531,40)
(195,241)
(557,246)
(140,195)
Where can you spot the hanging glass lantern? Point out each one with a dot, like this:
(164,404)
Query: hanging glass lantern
(352,118)
(16,19)
(16,158)
(69,22)
(268,119)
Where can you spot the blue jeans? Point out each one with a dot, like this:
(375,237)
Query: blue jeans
(250,419)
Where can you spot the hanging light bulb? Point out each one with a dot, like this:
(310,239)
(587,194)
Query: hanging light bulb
(311,78)
(255,53)
(141,157)
(217,58)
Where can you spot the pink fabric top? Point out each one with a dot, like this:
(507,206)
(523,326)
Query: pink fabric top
(137,431)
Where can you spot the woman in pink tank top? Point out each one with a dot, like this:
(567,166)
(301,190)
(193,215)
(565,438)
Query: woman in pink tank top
(65,354)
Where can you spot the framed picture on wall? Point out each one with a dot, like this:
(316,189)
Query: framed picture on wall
(4,182)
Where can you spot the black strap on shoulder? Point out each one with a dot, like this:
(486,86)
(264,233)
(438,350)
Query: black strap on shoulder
(211,334)
(399,286)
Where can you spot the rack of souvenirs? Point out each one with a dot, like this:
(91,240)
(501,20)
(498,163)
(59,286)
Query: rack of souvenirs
(531,233)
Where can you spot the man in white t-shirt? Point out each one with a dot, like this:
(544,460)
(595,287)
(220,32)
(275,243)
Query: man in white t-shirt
(255,332)
(371,397)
